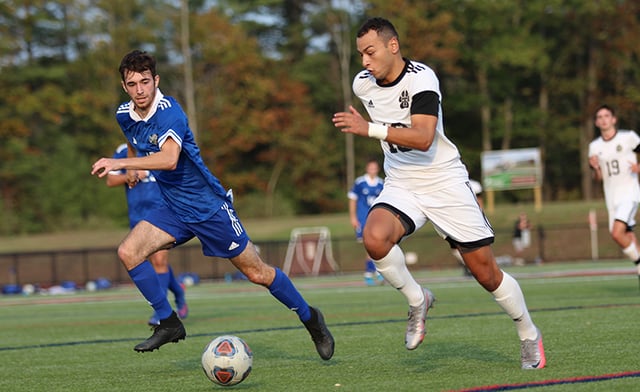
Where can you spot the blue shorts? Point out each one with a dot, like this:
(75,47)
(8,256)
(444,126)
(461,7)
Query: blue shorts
(221,236)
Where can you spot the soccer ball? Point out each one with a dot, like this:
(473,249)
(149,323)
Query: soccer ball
(227,360)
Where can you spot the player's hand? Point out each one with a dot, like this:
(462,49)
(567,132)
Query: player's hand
(132,178)
(103,166)
(355,224)
(351,122)
(593,162)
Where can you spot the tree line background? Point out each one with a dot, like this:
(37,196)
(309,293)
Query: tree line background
(260,80)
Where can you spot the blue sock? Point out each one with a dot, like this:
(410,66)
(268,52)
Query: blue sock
(283,289)
(176,288)
(146,280)
(164,281)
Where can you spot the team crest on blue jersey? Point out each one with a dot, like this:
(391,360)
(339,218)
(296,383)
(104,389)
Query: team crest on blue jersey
(404,99)
(153,139)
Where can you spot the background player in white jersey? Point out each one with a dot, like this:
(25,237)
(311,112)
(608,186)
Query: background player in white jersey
(196,206)
(425,181)
(613,158)
(363,192)
(142,198)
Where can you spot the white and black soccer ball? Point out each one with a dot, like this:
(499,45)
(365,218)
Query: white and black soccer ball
(227,360)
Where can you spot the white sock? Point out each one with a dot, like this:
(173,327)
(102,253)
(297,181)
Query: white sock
(509,296)
(631,252)
(394,269)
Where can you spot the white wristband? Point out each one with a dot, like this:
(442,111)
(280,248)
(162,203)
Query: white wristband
(378,131)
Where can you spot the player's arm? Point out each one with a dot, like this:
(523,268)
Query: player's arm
(595,167)
(117,178)
(352,213)
(419,136)
(165,159)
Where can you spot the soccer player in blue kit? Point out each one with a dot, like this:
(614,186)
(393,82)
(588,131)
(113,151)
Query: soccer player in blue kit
(196,206)
(141,198)
(363,192)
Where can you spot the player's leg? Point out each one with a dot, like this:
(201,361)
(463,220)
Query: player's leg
(224,236)
(168,282)
(465,225)
(179,293)
(369,266)
(143,240)
(621,223)
(507,293)
(385,226)
(280,286)
(159,260)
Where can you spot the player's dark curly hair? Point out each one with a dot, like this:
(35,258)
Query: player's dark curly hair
(137,61)
(382,26)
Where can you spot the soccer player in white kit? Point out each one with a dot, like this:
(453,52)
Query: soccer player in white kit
(425,181)
(613,158)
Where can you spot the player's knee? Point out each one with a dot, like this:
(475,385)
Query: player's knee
(377,244)
(377,248)
(127,256)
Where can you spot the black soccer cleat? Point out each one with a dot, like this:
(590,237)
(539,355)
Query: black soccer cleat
(320,334)
(169,330)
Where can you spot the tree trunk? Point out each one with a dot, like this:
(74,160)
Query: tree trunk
(189,90)
(508,123)
(485,108)
(586,135)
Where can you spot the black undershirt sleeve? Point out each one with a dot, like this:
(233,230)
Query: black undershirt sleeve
(425,102)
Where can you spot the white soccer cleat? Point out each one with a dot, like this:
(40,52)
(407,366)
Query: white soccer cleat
(532,353)
(416,328)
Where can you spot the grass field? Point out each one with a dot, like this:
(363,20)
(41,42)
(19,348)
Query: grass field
(588,313)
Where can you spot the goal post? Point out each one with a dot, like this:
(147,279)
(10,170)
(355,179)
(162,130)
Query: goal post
(309,252)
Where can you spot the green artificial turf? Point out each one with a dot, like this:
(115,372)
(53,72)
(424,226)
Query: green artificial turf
(84,341)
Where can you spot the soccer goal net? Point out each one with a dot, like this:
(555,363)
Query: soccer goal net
(309,252)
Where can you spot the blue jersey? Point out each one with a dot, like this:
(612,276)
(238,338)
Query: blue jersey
(364,191)
(142,197)
(190,191)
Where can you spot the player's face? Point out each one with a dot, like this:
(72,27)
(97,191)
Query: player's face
(372,169)
(377,57)
(141,87)
(605,120)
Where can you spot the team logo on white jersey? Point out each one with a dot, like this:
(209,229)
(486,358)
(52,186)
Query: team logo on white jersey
(618,148)
(404,99)
(370,104)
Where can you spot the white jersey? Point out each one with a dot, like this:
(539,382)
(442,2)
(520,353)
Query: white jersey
(615,157)
(420,171)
